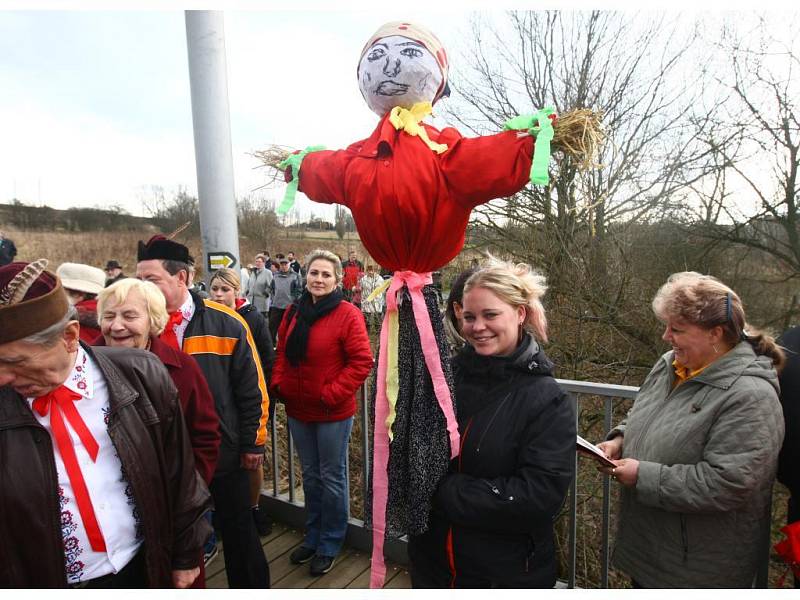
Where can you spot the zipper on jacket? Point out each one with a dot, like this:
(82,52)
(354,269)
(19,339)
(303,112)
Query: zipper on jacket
(448,546)
(529,554)
(451,557)
(489,425)
(461,443)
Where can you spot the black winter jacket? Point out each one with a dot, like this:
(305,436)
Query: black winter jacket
(492,523)
(789,458)
(263,338)
(220,341)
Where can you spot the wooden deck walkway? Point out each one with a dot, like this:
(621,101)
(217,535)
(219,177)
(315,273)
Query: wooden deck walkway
(351,569)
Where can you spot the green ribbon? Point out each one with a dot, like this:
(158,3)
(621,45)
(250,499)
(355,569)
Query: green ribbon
(540,127)
(294,161)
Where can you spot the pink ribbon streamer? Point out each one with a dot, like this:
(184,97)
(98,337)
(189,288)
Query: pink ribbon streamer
(430,350)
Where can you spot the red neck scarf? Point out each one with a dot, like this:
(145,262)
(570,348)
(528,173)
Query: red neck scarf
(61,403)
(168,335)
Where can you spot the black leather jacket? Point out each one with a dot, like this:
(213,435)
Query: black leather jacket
(147,429)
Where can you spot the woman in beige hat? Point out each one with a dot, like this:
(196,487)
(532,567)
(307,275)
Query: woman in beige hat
(82,284)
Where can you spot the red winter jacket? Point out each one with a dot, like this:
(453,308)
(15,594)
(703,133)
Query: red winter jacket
(197,404)
(338,360)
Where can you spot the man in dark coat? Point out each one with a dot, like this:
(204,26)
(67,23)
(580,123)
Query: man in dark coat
(100,488)
(7,250)
(789,458)
(221,342)
(113,272)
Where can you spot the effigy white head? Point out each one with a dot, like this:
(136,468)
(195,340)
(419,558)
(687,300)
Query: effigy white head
(401,65)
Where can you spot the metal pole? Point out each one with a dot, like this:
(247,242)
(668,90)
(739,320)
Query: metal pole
(205,41)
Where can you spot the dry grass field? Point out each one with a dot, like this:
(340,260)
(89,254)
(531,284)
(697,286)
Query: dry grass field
(95,248)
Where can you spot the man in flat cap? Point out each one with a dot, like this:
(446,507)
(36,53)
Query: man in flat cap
(221,342)
(113,272)
(98,486)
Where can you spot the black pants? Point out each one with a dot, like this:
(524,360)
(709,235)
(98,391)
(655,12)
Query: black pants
(275,316)
(245,563)
(131,576)
(793,514)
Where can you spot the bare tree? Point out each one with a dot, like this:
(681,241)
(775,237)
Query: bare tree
(257,219)
(638,71)
(759,204)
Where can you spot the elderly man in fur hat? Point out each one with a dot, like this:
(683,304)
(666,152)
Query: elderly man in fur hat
(98,486)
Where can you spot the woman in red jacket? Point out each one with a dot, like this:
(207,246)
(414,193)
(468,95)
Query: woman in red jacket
(323,357)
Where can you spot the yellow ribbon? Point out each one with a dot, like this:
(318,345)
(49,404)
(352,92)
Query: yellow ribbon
(379,290)
(392,371)
(409,121)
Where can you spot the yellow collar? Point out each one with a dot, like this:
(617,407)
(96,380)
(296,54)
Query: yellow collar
(683,373)
(409,121)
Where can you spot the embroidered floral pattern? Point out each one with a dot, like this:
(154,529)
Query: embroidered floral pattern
(80,374)
(137,517)
(107,416)
(72,548)
(187,311)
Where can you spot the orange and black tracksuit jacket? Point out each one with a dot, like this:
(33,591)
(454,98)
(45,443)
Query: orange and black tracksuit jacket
(492,518)
(221,342)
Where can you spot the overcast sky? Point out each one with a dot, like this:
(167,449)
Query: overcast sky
(95,106)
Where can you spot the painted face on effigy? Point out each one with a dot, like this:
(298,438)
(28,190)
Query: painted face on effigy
(398,71)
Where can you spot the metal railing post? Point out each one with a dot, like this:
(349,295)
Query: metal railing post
(604,551)
(273,431)
(365,456)
(573,513)
(291,466)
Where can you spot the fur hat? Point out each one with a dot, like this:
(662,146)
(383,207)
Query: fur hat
(31,300)
(160,247)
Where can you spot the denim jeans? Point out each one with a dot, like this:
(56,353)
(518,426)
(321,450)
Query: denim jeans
(322,447)
(212,539)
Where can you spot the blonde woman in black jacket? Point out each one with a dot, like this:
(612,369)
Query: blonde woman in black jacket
(492,522)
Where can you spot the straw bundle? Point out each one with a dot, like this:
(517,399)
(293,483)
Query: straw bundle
(579,133)
(272,156)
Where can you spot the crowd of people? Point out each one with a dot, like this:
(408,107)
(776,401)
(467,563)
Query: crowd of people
(134,411)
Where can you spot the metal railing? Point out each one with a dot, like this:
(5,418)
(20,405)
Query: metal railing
(287,508)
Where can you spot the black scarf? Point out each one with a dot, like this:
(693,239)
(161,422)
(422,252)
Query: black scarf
(307,312)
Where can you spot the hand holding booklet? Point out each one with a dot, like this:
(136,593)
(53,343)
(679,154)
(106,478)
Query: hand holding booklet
(593,451)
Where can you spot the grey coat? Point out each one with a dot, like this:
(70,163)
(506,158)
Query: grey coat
(708,452)
(258,289)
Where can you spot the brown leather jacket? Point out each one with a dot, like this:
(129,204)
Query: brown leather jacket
(147,429)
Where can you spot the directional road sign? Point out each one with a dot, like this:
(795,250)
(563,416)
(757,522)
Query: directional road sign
(220,260)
